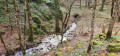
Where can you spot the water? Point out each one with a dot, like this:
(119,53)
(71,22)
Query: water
(49,42)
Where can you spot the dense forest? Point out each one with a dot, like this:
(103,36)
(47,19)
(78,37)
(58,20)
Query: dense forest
(59,27)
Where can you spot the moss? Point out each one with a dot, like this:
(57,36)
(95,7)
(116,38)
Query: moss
(118,40)
(102,38)
(103,55)
(64,41)
(58,54)
(109,54)
(17,37)
(87,40)
(68,50)
(69,39)
(95,42)
(78,45)
(2,32)
(113,47)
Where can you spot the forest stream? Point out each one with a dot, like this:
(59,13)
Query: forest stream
(49,42)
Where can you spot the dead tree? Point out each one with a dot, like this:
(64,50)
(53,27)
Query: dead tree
(92,27)
(10,20)
(31,38)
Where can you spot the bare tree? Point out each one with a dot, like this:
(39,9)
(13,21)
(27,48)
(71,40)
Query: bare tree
(31,38)
(66,20)
(92,27)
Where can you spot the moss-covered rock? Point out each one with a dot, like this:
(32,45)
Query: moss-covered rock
(58,54)
(101,36)
(69,39)
(95,42)
(109,54)
(78,45)
(2,32)
(113,47)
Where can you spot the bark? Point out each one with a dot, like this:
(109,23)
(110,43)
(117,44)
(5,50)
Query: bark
(17,13)
(56,8)
(92,27)
(30,39)
(89,1)
(10,20)
(66,20)
(80,4)
(86,3)
(102,6)
(111,25)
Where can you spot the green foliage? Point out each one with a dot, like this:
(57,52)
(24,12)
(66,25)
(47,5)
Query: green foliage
(33,5)
(76,53)
(63,9)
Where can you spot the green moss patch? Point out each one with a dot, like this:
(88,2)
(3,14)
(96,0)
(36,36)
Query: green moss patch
(113,47)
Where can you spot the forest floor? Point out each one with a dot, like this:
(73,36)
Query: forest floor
(78,45)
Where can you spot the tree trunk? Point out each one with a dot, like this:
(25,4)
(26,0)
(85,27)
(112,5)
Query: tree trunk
(10,21)
(89,1)
(92,27)
(80,3)
(111,25)
(102,6)
(56,8)
(86,3)
(17,12)
(30,39)
(25,22)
